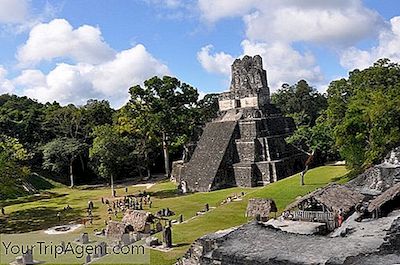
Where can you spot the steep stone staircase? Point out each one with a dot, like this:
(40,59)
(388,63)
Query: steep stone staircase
(202,169)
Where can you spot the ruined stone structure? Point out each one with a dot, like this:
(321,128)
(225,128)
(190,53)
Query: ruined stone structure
(381,177)
(244,146)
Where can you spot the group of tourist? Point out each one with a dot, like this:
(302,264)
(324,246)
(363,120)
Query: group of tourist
(89,212)
(132,202)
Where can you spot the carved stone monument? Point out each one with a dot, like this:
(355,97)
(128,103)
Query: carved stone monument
(84,238)
(101,249)
(27,258)
(167,237)
(245,145)
(126,239)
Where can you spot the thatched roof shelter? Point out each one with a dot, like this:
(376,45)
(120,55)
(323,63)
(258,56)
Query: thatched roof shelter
(261,207)
(115,230)
(137,219)
(334,197)
(387,196)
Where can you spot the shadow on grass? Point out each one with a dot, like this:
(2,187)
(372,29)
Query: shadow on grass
(39,182)
(345,177)
(163,194)
(181,245)
(316,183)
(36,219)
(32,198)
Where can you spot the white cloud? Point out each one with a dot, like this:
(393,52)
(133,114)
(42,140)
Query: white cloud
(65,84)
(13,11)
(274,27)
(167,3)
(68,83)
(340,22)
(215,63)
(388,47)
(6,85)
(94,70)
(129,67)
(214,10)
(284,64)
(18,16)
(58,39)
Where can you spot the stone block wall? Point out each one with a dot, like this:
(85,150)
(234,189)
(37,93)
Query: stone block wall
(246,174)
(265,169)
(246,150)
(248,129)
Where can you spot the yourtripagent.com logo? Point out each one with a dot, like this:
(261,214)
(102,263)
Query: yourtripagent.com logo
(28,251)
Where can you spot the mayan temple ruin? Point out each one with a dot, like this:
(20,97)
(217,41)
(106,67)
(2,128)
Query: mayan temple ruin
(245,145)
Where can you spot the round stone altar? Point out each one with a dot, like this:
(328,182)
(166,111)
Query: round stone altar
(62,229)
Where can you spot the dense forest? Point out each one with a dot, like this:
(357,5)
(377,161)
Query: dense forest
(357,119)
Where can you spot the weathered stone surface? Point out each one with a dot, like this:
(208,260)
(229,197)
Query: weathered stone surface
(255,244)
(210,165)
(260,207)
(248,87)
(245,145)
(380,177)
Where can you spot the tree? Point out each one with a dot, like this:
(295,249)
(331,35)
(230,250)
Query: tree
(65,122)
(318,139)
(305,105)
(110,152)
(207,108)
(95,113)
(301,102)
(77,123)
(364,111)
(167,104)
(141,128)
(22,118)
(61,153)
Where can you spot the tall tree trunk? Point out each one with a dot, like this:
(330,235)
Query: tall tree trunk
(146,159)
(112,186)
(307,163)
(166,154)
(82,163)
(302,176)
(71,173)
(140,172)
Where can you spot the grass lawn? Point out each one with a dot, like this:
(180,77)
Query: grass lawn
(39,212)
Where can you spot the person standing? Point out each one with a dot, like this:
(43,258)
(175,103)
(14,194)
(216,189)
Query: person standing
(340,217)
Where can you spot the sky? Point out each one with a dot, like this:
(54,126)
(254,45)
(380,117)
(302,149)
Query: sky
(72,51)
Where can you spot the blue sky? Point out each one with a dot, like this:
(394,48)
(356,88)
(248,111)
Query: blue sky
(70,51)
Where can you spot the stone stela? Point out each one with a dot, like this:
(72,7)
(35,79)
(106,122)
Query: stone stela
(245,145)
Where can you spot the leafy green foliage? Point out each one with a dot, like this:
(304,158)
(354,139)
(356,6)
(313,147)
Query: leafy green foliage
(163,108)
(22,118)
(307,108)
(61,153)
(301,102)
(364,113)
(112,154)
(165,111)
